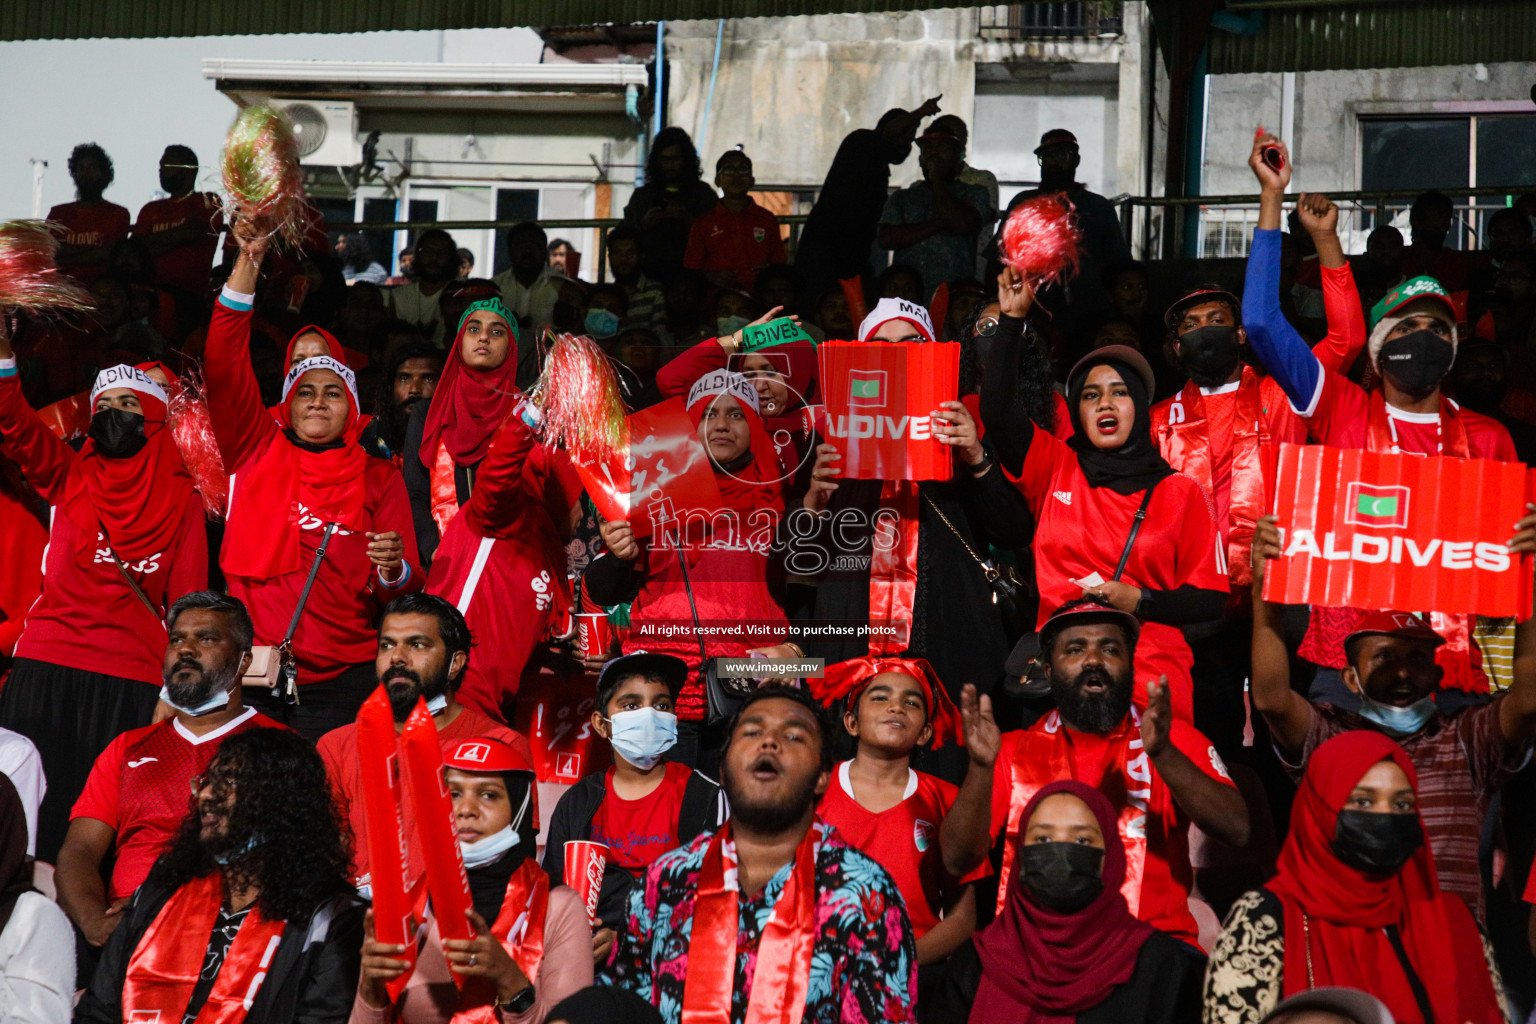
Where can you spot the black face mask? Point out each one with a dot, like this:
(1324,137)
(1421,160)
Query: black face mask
(118,433)
(1416,362)
(1210,354)
(1378,844)
(1064,877)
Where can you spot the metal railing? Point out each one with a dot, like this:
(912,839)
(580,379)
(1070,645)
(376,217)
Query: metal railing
(1224,224)
(1084,19)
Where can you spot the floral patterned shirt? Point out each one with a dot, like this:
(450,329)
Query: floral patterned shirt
(863,962)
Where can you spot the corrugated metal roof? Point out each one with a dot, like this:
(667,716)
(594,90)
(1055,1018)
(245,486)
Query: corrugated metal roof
(1405,33)
(77,19)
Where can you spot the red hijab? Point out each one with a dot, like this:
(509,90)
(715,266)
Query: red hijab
(329,484)
(469,404)
(791,430)
(1335,914)
(760,482)
(1040,966)
(138,502)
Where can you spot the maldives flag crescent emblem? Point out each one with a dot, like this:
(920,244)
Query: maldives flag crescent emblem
(866,388)
(1376,505)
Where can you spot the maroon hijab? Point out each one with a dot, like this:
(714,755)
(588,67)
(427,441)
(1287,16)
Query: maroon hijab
(1039,966)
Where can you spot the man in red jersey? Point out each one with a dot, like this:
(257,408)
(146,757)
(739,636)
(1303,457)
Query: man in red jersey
(182,231)
(423,652)
(137,793)
(91,224)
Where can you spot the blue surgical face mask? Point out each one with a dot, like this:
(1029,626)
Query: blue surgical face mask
(216,702)
(602,323)
(1396,721)
(727,325)
(643,735)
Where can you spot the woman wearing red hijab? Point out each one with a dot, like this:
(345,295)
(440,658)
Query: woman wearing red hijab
(295,486)
(784,376)
(1066,946)
(727,560)
(452,434)
(126,541)
(1356,904)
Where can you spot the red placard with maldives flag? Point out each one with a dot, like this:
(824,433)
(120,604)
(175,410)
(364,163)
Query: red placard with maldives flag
(662,472)
(879,397)
(1376,530)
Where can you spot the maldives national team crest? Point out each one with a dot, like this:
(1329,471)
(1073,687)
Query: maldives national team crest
(924,834)
(758,234)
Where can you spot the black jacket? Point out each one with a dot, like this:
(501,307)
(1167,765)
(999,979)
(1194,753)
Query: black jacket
(312,978)
(704,808)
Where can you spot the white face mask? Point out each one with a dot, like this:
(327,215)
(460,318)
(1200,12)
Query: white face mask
(641,736)
(487,849)
(218,702)
(437,705)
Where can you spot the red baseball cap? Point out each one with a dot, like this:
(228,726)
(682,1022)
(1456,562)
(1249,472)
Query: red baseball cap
(483,756)
(1197,297)
(1405,625)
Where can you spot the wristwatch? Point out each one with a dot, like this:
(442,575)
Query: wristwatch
(522,1002)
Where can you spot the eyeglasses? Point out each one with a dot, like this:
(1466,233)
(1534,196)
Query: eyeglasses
(740,172)
(985,327)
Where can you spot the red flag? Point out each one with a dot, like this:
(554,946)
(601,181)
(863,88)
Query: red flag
(447,883)
(1374,530)
(379,761)
(662,472)
(879,400)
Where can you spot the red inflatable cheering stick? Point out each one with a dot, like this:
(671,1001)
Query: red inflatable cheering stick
(380,762)
(447,883)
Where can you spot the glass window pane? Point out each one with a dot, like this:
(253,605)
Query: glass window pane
(1506,150)
(1418,154)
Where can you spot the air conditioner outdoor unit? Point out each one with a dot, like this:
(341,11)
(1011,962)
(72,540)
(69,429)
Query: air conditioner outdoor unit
(326,131)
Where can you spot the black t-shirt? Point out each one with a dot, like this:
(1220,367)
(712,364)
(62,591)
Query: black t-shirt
(225,927)
(847,213)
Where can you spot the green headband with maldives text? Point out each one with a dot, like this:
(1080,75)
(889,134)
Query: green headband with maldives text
(493,305)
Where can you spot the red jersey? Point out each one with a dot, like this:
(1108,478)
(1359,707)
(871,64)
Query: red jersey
(91,225)
(338,628)
(636,832)
(186,266)
(1080,532)
(1154,829)
(742,243)
(23,541)
(903,839)
(87,617)
(502,560)
(338,749)
(141,787)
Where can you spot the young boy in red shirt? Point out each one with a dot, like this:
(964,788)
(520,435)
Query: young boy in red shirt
(880,805)
(644,805)
(736,239)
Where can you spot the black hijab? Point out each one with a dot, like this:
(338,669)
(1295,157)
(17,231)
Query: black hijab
(1135,465)
(15,863)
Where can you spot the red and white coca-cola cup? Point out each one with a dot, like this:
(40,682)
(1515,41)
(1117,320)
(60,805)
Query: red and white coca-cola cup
(594,634)
(584,865)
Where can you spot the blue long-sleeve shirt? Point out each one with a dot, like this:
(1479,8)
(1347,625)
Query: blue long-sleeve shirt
(1284,353)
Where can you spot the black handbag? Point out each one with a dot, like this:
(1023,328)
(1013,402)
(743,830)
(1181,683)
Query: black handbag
(724,697)
(1024,670)
(1005,586)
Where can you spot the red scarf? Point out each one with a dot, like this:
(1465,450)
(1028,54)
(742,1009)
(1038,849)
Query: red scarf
(893,565)
(1040,966)
(782,975)
(468,405)
(519,927)
(849,678)
(168,960)
(1335,914)
(1091,760)
(328,484)
(1182,434)
(138,502)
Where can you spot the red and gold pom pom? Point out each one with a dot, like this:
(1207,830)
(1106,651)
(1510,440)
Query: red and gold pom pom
(262,181)
(192,427)
(29,279)
(1041,239)
(579,397)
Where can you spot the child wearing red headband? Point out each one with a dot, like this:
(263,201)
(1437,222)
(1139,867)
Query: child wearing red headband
(879,804)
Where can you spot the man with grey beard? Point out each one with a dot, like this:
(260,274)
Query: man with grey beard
(138,790)
(1160,774)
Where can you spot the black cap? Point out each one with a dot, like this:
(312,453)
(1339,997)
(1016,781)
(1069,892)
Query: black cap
(644,663)
(1197,296)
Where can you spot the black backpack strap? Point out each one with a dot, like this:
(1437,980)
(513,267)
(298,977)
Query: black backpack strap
(704,807)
